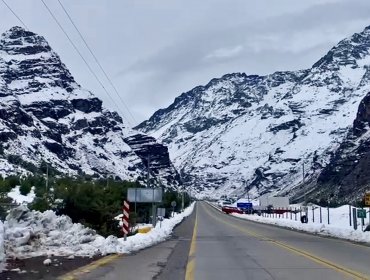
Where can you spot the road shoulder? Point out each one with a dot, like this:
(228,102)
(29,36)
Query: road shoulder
(166,260)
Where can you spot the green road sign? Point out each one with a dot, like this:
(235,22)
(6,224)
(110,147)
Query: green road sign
(361,213)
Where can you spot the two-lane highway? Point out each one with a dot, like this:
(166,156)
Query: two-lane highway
(212,245)
(224,247)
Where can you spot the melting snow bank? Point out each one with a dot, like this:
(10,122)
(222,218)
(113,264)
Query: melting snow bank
(338,227)
(32,233)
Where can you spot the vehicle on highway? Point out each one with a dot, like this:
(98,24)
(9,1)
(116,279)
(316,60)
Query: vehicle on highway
(231,209)
(222,203)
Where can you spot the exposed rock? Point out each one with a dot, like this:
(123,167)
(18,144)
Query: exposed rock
(347,176)
(46,116)
(249,131)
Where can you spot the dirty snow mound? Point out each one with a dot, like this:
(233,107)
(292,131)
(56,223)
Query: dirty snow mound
(32,233)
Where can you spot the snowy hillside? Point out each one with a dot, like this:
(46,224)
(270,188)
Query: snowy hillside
(347,176)
(247,131)
(46,116)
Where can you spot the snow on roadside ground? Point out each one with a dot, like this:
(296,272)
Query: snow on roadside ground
(338,226)
(136,227)
(16,195)
(157,234)
(32,233)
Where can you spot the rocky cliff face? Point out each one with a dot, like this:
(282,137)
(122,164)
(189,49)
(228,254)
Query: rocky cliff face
(347,176)
(248,132)
(46,116)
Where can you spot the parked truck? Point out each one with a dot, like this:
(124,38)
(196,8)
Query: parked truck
(274,201)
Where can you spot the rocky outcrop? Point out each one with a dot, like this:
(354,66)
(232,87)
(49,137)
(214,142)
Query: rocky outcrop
(347,176)
(46,116)
(242,132)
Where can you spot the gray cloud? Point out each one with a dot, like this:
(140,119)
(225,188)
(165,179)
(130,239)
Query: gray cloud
(154,50)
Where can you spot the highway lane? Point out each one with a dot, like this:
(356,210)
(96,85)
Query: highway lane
(212,245)
(166,260)
(225,247)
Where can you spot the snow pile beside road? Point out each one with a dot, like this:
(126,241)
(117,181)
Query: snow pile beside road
(157,234)
(338,223)
(32,233)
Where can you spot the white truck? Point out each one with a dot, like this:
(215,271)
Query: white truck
(274,201)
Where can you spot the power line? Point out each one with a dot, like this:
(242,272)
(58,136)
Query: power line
(96,60)
(80,54)
(14,13)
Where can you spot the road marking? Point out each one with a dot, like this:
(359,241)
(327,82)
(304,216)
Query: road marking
(301,252)
(338,239)
(190,267)
(73,275)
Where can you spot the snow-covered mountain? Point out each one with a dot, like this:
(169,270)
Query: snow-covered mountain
(46,116)
(243,132)
(347,176)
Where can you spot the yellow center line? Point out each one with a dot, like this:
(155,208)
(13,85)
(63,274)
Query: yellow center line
(353,243)
(73,275)
(351,273)
(190,267)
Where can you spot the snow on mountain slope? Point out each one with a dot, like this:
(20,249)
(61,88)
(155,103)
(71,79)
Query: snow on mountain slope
(253,132)
(46,116)
(347,176)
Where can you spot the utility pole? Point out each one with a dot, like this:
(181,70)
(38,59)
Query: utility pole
(305,198)
(47,180)
(247,188)
(182,193)
(148,186)
(182,201)
(148,175)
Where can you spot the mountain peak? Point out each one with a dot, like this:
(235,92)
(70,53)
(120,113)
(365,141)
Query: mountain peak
(17,40)
(347,51)
(255,131)
(18,31)
(46,116)
(31,64)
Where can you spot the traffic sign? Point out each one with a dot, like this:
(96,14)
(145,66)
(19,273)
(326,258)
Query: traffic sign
(161,212)
(361,213)
(173,203)
(244,205)
(145,195)
(367,199)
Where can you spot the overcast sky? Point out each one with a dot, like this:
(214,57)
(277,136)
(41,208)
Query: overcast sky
(154,50)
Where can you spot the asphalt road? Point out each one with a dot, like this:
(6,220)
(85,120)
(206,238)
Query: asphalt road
(225,247)
(212,245)
(166,260)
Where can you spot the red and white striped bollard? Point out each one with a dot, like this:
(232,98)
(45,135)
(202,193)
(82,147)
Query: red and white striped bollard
(125,219)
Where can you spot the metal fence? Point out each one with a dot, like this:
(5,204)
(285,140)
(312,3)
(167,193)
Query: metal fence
(357,217)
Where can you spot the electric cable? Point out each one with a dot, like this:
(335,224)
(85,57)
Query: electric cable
(82,57)
(96,60)
(15,14)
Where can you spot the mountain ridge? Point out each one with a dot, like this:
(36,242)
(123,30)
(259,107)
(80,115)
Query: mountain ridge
(45,115)
(254,132)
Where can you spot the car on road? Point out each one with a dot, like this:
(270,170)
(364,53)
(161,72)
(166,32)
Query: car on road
(231,209)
